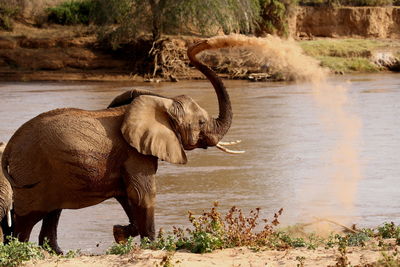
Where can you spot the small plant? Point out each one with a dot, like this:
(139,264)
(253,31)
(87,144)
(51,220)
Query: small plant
(389,230)
(357,239)
(16,252)
(301,261)
(71,254)
(342,260)
(122,248)
(162,242)
(166,261)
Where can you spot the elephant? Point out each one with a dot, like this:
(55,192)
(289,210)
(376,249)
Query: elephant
(73,158)
(5,202)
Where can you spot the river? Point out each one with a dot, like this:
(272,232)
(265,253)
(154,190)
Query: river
(285,142)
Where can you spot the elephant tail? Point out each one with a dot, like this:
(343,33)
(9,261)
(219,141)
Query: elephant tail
(5,163)
(5,169)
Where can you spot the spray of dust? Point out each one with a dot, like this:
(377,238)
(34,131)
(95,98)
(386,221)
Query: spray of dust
(343,157)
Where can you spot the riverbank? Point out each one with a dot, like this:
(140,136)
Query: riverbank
(73,53)
(242,256)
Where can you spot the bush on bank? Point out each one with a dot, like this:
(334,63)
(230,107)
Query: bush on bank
(8,10)
(72,12)
(212,230)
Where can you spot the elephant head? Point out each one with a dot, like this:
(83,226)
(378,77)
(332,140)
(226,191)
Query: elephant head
(165,127)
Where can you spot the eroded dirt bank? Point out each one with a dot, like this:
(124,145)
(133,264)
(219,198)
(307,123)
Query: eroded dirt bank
(366,22)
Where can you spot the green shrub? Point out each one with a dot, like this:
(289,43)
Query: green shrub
(389,230)
(211,231)
(122,248)
(7,12)
(72,12)
(274,16)
(15,252)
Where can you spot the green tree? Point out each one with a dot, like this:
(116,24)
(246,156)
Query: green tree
(159,17)
(274,14)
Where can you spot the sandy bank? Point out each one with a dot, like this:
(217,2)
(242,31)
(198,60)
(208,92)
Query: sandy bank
(227,257)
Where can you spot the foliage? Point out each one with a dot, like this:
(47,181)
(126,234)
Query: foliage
(122,248)
(72,12)
(15,252)
(274,14)
(211,231)
(389,230)
(136,17)
(8,10)
(357,239)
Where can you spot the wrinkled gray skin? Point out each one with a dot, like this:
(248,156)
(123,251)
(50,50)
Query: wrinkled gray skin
(5,199)
(72,158)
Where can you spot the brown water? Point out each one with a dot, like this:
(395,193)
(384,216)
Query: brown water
(285,165)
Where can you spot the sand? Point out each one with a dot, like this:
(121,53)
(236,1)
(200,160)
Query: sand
(228,257)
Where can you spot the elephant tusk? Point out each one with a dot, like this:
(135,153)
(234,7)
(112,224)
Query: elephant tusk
(9,221)
(219,146)
(229,143)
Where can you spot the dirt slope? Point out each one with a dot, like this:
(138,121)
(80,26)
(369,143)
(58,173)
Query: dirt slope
(369,22)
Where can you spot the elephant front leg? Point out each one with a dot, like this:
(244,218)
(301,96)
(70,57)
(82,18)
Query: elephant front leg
(144,221)
(141,221)
(140,186)
(49,231)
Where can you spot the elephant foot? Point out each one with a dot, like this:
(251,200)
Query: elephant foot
(57,249)
(51,246)
(123,232)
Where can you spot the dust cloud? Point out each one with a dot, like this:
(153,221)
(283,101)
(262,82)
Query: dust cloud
(342,157)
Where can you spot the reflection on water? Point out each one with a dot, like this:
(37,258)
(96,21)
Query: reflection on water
(281,132)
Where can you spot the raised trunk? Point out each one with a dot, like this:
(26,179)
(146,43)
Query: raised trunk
(217,128)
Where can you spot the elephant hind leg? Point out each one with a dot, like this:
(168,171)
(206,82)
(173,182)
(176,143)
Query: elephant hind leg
(24,224)
(49,230)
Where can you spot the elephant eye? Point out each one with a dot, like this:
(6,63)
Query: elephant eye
(202,122)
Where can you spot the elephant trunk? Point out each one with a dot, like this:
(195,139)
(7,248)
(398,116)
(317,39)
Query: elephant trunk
(217,128)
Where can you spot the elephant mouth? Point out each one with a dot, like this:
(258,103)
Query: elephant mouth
(198,144)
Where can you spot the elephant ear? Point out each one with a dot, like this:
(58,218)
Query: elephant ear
(147,128)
